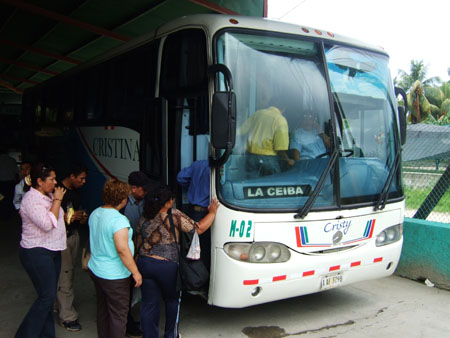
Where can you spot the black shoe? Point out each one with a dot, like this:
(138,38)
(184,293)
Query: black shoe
(71,326)
(133,330)
(134,334)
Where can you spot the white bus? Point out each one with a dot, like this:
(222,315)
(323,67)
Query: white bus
(183,92)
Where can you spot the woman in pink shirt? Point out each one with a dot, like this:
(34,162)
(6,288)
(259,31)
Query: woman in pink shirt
(43,238)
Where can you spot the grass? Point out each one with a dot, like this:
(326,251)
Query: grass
(415,198)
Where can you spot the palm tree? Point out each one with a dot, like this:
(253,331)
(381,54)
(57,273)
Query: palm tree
(435,102)
(414,84)
(418,72)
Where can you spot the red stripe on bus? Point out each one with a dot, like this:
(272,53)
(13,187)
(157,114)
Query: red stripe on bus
(93,155)
(371,230)
(355,264)
(278,278)
(334,268)
(297,235)
(377,260)
(308,273)
(251,282)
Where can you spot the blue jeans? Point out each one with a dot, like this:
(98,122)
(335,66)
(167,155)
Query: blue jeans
(159,277)
(43,266)
(262,165)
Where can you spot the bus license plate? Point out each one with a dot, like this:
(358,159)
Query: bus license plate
(329,282)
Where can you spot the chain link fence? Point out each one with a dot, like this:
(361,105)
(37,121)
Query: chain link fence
(426,172)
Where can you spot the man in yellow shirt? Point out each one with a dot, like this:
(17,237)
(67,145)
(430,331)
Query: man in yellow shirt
(267,142)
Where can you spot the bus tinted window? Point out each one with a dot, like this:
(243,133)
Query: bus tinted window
(184,67)
(285,124)
(132,84)
(365,120)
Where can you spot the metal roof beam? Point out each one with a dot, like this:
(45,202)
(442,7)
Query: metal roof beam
(28,66)
(66,19)
(7,85)
(38,51)
(154,6)
(15,78)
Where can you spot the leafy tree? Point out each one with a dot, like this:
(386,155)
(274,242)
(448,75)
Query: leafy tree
(418,72)
(424,97)
(418,104)
(439,99)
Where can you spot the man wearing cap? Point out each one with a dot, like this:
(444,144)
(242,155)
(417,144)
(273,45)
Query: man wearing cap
(139,183)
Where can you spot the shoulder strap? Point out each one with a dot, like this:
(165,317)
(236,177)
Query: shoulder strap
(172,226)
(143,228)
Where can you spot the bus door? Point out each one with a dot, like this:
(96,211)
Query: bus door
(183,83)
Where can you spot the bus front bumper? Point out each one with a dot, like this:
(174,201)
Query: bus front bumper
(236,284)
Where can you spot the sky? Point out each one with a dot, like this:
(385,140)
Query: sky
(406,29)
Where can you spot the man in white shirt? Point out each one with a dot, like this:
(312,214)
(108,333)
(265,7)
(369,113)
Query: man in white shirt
(25,168)
(308,141)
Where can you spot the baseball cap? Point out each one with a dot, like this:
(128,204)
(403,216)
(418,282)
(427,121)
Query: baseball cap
(139,179)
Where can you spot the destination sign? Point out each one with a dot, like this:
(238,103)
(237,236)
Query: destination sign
(277,191)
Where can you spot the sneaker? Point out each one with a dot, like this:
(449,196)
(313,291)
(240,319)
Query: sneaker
(201,293)
(71,326)
(133,335)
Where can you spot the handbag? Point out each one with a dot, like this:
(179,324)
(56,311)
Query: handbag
(192,274)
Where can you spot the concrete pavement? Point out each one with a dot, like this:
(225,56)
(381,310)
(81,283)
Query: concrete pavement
(389,307)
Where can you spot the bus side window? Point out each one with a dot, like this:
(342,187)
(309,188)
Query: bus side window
(184,64)
(133,84)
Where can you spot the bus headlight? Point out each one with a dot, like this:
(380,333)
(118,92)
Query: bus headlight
(389,235)
(259,252)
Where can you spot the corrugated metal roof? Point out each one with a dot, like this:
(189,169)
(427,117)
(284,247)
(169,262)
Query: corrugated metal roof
(42,38)
(426,142)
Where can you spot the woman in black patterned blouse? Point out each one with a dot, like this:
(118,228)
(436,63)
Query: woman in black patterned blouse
(158,258)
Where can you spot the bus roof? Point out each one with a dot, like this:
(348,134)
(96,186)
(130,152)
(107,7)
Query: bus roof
(216,22)
(212,23)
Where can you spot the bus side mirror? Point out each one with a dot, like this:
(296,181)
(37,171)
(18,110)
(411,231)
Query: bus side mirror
(402,119)
(402,114)
(223,118)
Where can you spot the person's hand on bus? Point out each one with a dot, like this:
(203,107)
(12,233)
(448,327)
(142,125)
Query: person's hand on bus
(206,221)
(214,206)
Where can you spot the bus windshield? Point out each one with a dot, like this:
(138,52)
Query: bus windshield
(290,120)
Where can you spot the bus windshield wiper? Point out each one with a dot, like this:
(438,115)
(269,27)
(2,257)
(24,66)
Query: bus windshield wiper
(302,212)
(388,184)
